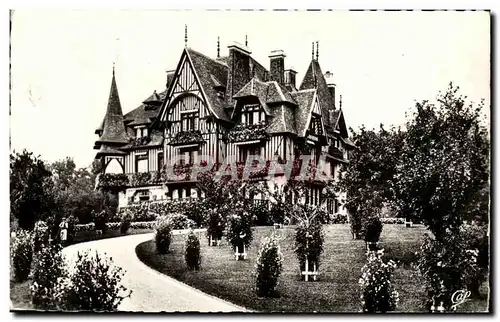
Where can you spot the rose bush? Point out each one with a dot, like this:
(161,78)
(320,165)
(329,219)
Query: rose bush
(48,270)
(377,291)
(268,267)
(94,285)
(446,265)
(21,254)
(163,235)
(192,255)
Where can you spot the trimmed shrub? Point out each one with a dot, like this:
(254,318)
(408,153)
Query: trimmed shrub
(268,267)
(309,243)
(392,220)
(143,225)
(377,292)
(163,235)
(40,236)
(125,222)
(180,221)
(48,270)
(372,228)
(113,225)
(192,255)
(21,253)
(100,219)
(94,285)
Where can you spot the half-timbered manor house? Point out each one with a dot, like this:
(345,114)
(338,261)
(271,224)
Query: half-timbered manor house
(220,107)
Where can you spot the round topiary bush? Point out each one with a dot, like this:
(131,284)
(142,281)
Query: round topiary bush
(21,253)
(192,255)
(48,269)
(372,228)
(125,222)
(180,221)
(163,235)
(268,267)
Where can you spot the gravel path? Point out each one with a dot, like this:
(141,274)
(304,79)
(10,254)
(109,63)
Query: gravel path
(151,290)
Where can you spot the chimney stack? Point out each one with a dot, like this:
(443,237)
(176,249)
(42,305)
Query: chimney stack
(331,86)
(277,66)
(239,69)
(290,76)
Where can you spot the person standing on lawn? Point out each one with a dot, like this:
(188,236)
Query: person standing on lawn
(63,231)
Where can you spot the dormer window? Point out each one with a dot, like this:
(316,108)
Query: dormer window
(315,127)
(141,132)
(252,114)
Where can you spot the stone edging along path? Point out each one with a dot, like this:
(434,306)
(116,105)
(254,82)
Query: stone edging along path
(152,291)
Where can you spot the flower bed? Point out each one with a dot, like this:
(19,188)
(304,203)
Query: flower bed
(187,137)
(135,142)
(122,181)
(243,132)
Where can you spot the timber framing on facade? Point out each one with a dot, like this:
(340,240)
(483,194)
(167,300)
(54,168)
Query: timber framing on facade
(222,108)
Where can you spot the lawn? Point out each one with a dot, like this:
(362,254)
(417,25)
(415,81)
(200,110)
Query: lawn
(336,289)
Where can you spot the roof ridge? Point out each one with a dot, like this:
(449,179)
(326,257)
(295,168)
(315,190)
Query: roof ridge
(304,91)
(208,57)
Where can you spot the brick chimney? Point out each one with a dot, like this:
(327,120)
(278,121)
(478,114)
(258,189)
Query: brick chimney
(331,85)
(239,73)
(290,76)
(277,66)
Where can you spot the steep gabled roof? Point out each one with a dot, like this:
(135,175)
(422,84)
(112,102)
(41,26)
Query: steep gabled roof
(255,88)
(277,93)
(282,120)
(211,74)
(305,100)
(113,129)
(314,79)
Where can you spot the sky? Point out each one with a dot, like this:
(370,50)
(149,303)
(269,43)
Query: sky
(61,62)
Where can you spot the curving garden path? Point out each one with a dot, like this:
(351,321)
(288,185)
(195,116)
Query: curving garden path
(151,290)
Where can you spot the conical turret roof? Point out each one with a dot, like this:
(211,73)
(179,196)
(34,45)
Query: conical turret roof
(113,129)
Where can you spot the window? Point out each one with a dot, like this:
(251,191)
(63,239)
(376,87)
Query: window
(252,114)
(141,163)
(189,155)
(189,121)
(315,126)
(160,160)
(141,132)
(143,195)
(245,150)
(330,205)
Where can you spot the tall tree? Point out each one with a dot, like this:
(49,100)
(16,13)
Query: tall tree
(30,187)
(443,171)
(368,179)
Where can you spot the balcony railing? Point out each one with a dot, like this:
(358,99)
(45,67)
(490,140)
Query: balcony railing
(244,132)
(136,142)
(187,137)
